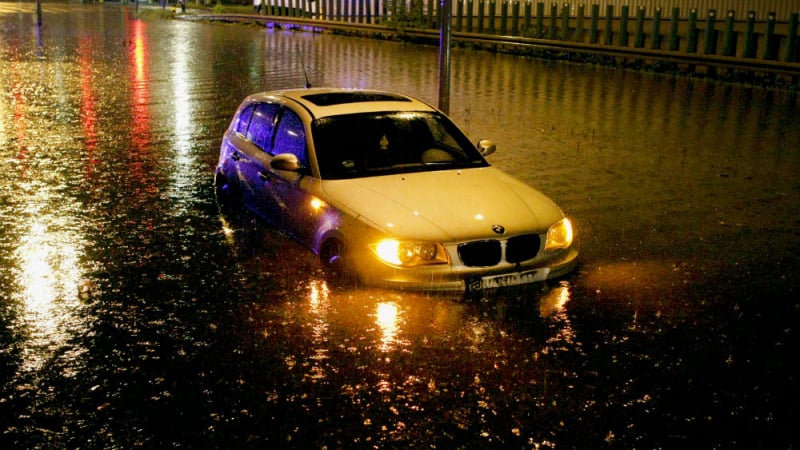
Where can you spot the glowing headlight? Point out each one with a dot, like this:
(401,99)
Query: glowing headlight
(407,253)
(559,235)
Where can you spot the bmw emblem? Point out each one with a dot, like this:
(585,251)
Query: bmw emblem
(499,229)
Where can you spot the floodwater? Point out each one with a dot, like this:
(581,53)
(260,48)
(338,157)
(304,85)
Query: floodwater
(134,315)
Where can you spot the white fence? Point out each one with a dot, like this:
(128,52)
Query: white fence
(781,8)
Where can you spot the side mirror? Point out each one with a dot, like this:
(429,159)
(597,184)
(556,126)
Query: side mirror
(486,147)
(285,161)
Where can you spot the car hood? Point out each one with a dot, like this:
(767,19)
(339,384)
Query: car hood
(449,205)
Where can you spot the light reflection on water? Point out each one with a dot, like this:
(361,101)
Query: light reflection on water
(51,278)
(42,229)
(182,188)
(319,304)
(387,316)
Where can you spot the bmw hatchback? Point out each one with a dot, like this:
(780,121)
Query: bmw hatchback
(387,188)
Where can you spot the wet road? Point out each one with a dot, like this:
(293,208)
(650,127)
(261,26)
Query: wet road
(133,314)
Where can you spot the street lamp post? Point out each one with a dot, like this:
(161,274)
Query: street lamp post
(446,12)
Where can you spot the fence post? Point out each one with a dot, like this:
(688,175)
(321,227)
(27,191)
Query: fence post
(528,8)
(623,26)
(639,39)
(504,17)
(565,22)
(674,38)
(609,25)
(579,23)
(481,15)
(655,34)
(749,36)
(470,16)
(593,24)
(791,39)
(492,16)
(729,42)
(515,18)
(539,19)
(553,21)
(459,15)
(710,46)
(691,46)
(770,47)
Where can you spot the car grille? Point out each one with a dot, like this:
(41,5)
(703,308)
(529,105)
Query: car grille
(490,252)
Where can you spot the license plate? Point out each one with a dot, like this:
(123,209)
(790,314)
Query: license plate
(508,279)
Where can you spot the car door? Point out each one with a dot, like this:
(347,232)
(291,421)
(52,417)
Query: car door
(255,157)
(294,207)
(234,163)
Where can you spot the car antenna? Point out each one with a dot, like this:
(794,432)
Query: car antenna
(303,65)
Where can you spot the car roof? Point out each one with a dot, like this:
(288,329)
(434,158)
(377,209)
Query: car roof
(325,102)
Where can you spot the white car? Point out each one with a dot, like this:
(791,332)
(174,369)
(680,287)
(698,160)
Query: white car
(385,187)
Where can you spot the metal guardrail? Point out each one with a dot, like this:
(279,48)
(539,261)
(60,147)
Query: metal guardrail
(747,65)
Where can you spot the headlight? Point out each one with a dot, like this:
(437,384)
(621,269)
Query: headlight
(408,253)
(559,235)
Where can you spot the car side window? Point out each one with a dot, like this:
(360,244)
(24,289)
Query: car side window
(244,120)
(260,130)
(290,137)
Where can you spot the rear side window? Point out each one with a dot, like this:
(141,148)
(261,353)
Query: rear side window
(244,119)
(260,130)
(290,137)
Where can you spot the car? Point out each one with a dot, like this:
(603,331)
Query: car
(387,189)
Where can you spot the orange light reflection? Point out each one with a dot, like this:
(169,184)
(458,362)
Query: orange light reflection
(388,318)
(552,305)
(88,108)
(141,92)
(319,304)
(554,301)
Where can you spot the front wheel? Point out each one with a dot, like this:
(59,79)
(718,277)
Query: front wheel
(332,255)
(336,262)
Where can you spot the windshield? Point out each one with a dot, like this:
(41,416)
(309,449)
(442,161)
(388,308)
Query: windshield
(362,145)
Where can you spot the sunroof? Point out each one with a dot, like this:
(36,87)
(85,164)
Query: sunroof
(341,98)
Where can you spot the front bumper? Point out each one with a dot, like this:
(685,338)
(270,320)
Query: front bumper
(447,278)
